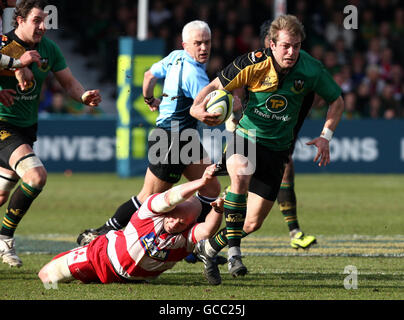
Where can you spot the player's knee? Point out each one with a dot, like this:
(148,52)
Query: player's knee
(251,226)
(55,271)
(36,177)
(31,170)
(4,197)
(7,183)
(44,274)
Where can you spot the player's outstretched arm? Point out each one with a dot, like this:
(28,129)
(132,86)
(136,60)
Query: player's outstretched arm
(167,201)
(75,90)
(213,220)
(198,108)
(323,141)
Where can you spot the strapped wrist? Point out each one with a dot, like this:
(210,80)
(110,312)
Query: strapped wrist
(149,100)
(327,134)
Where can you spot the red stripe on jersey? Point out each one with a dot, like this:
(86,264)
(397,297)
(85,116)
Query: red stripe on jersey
(149,203)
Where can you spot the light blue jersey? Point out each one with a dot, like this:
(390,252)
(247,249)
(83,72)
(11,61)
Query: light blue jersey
(184,78)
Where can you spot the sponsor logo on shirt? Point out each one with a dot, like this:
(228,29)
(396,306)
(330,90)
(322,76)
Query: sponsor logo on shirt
(151,248)
(276,103)
(29,89)
(4,135)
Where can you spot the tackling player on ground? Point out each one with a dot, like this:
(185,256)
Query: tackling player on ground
(163,231)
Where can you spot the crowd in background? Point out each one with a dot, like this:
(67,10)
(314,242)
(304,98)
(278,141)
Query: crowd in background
(367,62)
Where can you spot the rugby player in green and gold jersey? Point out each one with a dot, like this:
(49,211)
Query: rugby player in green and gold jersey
(18,121)
(277,80)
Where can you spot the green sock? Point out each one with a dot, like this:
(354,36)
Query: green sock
(235,208)
(219,241)
(287,205)
(19,204)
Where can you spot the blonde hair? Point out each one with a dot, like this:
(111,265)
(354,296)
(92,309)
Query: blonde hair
(287,22)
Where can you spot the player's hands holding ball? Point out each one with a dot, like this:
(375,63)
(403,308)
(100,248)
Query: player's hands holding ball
(91,98)
(215,108)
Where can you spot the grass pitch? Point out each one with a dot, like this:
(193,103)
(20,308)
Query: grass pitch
(357,219)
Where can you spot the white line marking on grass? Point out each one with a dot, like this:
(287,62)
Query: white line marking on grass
(327,246)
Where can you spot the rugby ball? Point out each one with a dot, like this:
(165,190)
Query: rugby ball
(221,102)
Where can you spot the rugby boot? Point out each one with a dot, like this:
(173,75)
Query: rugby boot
(89,235)
(7,253)
(192,258)
(211,270)
(236,267)
(300,240)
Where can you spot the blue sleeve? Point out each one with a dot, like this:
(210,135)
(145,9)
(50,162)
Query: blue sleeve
(159,69)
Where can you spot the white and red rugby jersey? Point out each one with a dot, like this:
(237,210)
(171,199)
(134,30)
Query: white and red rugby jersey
(144,249)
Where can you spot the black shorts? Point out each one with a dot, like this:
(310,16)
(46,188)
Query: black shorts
(171,152)
(269,165)
(11,137)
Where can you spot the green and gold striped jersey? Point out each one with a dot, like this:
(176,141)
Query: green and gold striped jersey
(24,111)
(274,102)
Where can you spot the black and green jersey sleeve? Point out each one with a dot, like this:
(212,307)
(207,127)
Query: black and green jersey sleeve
(24,111)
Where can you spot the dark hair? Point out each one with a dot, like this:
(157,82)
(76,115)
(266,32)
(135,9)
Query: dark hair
(264,31)
(24,8)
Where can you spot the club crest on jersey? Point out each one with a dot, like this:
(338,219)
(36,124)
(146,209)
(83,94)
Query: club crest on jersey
(298,86)
(44,64)
(276,103)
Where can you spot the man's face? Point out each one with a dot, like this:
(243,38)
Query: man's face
(177,222)
(32,29)
(286,49)
(198,46)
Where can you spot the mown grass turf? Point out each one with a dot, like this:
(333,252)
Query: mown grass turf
(328,205)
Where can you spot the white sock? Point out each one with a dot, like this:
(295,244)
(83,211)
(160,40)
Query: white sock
(209,250)
(234,251)
(294,232)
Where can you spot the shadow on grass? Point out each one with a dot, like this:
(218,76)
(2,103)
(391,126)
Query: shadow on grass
(287,280)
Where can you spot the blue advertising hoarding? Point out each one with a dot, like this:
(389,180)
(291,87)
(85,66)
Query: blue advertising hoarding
(358,146)
(80,144)
(88,144)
